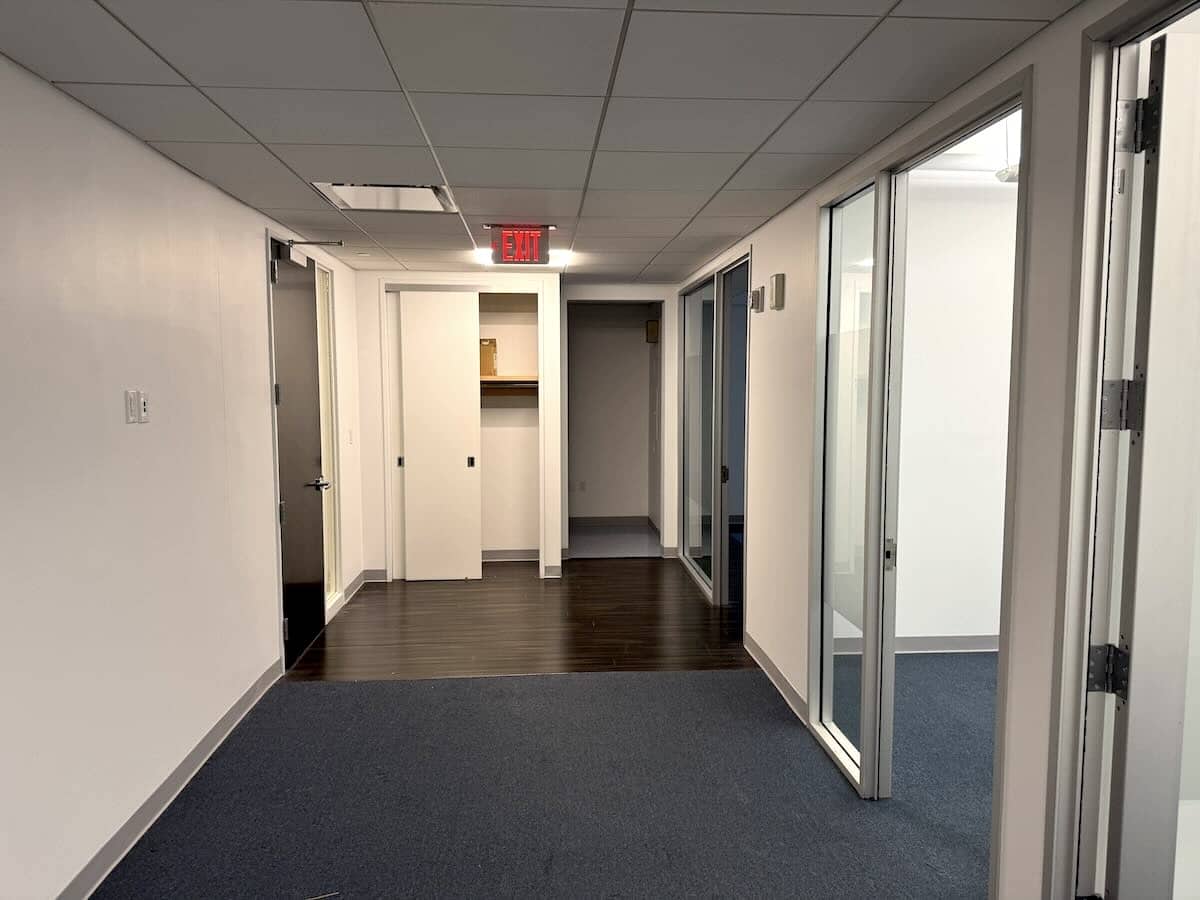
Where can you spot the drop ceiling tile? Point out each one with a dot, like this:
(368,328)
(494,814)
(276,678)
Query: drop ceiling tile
(614,227)
(633,170)
(822,126)
(656,274)
(322,117)
(723,226)
(575,4)
(362,165)
(705,245)
(246,171)
(66,40)
(528,205)
(688,259)
(1045,10)
(263,43)
(884,66)
(682,125)
(799,171)
(644,203)
(349,233)
(734,56)
(160,112)
(793,7)
(438,260)
(379,223)
(510,120)
(500,49)
(561,169)
(560,236)
(600,259)
(459,241)
(649,244)
(750,203)
(325,220)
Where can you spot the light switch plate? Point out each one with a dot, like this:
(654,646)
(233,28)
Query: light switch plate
(756,300)
(143,408)
(131,407)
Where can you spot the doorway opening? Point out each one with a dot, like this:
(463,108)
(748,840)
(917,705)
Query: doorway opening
(921,271)
(305,418)
(1139,798)
(614,427)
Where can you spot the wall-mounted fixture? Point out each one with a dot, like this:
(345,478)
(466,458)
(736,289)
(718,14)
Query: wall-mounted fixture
(777,291)
(756,300)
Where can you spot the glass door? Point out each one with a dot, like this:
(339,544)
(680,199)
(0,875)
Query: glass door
(850,541)
(1140,829)
(734,312)
(699,375)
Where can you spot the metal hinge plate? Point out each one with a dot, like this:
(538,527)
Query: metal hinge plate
(1108,670)
(274,270)
(1138,122)
(285,629)
(282,513)
(1122,405)
(278,394)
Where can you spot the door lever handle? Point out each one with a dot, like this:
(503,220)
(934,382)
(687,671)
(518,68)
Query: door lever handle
(320,484)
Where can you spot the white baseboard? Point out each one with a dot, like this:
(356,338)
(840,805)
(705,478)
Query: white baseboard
(115,848)
(798,704)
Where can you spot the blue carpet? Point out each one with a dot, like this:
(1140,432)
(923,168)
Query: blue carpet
(616,785)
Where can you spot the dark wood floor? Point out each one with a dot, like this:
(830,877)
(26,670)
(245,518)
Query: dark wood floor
(603,615)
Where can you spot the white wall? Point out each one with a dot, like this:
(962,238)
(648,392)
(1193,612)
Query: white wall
(954,403)
(135,555)
(783,375)
(669,334)
(609,407)
(509,428)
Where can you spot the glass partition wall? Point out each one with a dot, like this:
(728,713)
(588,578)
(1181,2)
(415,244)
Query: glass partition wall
(715,338)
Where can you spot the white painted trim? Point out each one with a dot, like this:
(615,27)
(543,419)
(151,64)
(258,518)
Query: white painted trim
(99,866)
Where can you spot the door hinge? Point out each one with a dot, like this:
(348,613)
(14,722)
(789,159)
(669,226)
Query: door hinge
(282,513)
(1108,670)
(889,554)
(1122,405)
(400,462)
(724,474)
(273,266)
(285,630)
(1138,124)
(278,394)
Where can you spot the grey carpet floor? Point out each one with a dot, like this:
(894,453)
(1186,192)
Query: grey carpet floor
(605,785)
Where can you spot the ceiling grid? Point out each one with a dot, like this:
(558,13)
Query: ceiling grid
(654,133)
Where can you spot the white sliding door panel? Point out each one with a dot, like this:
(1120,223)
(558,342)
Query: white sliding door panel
(443,519)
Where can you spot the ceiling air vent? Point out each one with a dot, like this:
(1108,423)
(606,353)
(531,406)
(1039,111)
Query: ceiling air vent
(388,197)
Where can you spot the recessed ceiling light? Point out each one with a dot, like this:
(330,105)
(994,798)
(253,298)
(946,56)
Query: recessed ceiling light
(388,197)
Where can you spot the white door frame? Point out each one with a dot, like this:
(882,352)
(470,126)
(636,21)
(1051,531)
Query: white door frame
(550,433)
(330,438)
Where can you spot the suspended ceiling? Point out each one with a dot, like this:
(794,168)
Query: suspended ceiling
(653,133)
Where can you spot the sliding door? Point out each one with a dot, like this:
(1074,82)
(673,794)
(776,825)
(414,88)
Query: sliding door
(443,513)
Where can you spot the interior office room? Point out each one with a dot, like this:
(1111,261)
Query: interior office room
(614,429)
(494,449)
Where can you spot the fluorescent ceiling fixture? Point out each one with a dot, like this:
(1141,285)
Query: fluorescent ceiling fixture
(483,256)
(387,197)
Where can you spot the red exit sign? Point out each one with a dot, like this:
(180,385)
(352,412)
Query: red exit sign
(521,244)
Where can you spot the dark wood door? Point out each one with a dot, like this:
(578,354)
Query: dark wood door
(298,428)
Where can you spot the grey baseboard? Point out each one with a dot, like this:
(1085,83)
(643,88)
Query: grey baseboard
(115,848)
(610,520)
(961,643)
(352,588)
(670,553)
(374,575)
(553,572)
(798,704)
(511,555)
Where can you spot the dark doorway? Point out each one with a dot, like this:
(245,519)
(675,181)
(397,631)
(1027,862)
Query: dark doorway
(298,435)
(735,309)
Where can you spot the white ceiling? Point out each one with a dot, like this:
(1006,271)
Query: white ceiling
(653,133)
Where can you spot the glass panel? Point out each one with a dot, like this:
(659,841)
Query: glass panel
(735,289)
(847,386)
(698,425)
(1187,839)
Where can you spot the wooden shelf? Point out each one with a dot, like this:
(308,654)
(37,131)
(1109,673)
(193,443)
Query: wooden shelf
(508,385)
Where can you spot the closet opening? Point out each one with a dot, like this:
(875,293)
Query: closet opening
(614,430)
